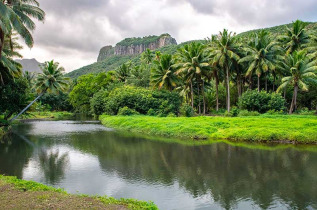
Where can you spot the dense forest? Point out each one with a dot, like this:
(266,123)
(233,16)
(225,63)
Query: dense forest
(263,71)
(246,74)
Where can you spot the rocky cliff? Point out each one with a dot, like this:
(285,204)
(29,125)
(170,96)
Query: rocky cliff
(135,46)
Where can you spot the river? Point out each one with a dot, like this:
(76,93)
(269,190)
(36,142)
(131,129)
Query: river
(85,157)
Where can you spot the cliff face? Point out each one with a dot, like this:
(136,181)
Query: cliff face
(135,46)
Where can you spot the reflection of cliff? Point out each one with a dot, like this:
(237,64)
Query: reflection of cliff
(135,46)
(260,175)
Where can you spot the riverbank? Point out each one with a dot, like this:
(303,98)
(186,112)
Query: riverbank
(21,194)
(48,115)
(299,129)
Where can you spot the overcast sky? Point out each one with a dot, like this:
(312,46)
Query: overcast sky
(75,30)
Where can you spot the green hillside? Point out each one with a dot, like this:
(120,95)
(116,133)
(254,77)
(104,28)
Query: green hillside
(113,62)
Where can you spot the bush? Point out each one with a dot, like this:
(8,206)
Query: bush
(244,113)
(261,101)
(98,101)
(171,115)
(274,112)
(151,112)
(142,100)
(186,110)
(305,111)
(126,111)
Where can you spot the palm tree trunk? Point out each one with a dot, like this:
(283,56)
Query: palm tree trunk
(198,98)
(293,104)
(228,89)
(192,93)
(217,94)
(250,82)
(266,82)
(285,93)
(1,41)
(273,83)
(28,106)
(204,100)
(258,83)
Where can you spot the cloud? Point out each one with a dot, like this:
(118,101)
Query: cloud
(75,30)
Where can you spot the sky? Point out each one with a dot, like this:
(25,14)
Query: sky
(75,30)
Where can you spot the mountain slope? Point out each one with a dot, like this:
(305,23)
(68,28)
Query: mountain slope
(113,62)
(30,65)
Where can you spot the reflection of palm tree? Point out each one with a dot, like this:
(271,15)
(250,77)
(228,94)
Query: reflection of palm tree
(53,165)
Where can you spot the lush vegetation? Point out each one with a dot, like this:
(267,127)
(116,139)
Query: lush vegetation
(210,76)
(270,128)
(31,186)
(138,40)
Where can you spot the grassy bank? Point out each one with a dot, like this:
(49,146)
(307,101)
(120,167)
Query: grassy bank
(275,128)
(20,194)
(48,115)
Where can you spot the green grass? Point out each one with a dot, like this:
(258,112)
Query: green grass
(264,128)
(32,186)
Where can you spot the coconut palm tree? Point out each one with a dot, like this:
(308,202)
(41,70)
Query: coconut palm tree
(51,80)
(295,37)
(193,63)
(123,72)
(147,56)
(10,51)
(301,70)
(17,15)
(224,49)
(261,56)
(163,74)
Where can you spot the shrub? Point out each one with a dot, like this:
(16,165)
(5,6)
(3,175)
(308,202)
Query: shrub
(142,100)
(274,112)
(186,110)
(97,102)
(261,101)
(171,115)
(234,111)
(126,111)
(305,111)
(244,113)
(151,112)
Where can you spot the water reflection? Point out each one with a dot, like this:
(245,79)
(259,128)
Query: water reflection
(53,165)
(90,159)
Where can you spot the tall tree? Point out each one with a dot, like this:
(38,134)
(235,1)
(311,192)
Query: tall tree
(301,70)
(10,68)
(51,80)
(224,50)
(261,56)
(163,73)
(123,72)
(147,56)
(295,37)
(17,15)
(193,63)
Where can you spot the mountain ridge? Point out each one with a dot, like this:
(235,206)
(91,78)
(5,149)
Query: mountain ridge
(113,62)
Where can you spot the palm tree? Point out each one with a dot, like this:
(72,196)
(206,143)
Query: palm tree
(193,63)
(147,56)
(224,50)
(51,80)
(262,52)
(295,37)
(301,70)
(9,52)
(163,73)
(17,15)
(123,72)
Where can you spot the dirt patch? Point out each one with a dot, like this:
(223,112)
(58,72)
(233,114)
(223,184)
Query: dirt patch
(12,198)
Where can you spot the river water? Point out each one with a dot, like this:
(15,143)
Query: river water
(86,157)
